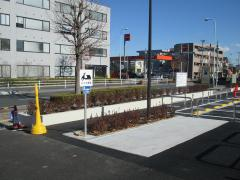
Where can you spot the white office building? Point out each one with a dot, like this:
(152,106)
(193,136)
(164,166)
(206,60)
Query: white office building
(31,47)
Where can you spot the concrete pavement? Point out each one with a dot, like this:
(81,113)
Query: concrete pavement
(151,139)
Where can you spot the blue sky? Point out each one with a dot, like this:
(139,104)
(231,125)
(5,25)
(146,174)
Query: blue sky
(175,21)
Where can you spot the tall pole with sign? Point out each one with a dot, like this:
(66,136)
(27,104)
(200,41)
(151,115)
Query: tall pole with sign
(127,37)
(86,82)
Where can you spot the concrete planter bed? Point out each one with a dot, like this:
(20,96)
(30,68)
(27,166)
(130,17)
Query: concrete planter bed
(76,115)
(119,121)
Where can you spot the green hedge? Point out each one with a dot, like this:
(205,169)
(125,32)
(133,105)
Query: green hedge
(101,97)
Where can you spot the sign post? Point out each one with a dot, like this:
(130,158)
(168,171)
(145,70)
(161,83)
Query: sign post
(181,80)
(86,82)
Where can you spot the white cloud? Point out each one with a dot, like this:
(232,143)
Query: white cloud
(237,45)
(225,49)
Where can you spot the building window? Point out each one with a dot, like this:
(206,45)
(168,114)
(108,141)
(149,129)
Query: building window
(4,19)
(5,71)
(65,71)
(35,24)
(99,52)
(28,46)
(63,8)
(65,29)
(45,4)
(97,34)
(33,71)
(5,44)
(65,49)
(97,16)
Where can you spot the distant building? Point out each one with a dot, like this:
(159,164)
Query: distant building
(137,64)
(191,58)
(30,47)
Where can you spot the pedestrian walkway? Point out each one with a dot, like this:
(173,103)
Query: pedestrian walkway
(148,140)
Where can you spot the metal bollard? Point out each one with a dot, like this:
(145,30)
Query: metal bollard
(208,97)
(8,85)
(197,107)
(39,84)
(162,101)
(192,107)
(105,82)
(202,97)
(185,97)
(171,101)
(65,84)
(102,113)
(234,111)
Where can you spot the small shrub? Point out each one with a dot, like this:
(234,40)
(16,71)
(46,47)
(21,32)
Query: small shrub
(101,97)
(114,122)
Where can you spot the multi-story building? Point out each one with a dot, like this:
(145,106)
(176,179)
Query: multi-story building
(31,47)
(192,58)
(160,63)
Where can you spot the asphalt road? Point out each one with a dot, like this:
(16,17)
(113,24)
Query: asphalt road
(27,157)
(27,94)
(214,155)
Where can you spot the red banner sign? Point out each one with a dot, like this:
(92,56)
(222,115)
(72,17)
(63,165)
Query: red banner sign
(127,37)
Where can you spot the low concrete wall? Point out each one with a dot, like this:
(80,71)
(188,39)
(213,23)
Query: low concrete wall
(76,115)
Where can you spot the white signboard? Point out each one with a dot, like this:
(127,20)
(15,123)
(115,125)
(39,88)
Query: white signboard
(181,80)
(234,78)
(86,78)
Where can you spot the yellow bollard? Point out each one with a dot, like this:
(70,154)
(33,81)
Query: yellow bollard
(38,128)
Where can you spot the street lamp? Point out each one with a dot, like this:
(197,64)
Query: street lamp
(149,60)
(120,56)
(215,39)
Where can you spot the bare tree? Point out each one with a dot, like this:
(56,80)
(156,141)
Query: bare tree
(76,21)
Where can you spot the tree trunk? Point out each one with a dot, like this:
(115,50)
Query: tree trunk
(77,76)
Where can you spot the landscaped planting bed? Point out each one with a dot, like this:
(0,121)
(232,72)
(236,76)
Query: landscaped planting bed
(103,97)
(119,121)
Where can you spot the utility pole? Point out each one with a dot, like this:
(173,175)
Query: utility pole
(238,59)
(145,64)
(124,53)
(149,60)
(203,41)
(217,65)
(181,59)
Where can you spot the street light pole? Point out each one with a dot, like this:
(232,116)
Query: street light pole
(149,60)
(215,39)
(120,56)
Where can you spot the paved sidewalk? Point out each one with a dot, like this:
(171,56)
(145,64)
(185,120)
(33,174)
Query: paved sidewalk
(148,140)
